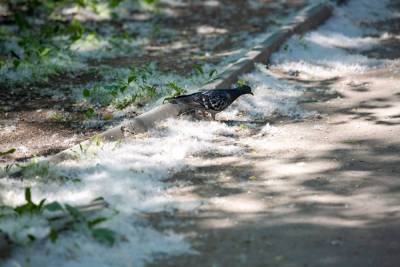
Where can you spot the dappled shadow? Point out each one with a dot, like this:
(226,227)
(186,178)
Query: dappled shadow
(337,205)
(343,215)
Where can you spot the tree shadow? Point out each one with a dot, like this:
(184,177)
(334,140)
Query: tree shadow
(329,217)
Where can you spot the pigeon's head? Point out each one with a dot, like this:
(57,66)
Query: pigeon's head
(245,89)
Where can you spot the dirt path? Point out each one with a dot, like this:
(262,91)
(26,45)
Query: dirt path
(305,173)
(43,114)
(322,191)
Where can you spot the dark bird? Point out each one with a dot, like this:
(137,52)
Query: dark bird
(211,101)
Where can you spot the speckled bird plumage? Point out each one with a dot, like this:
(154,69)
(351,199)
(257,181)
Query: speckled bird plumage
(212,101)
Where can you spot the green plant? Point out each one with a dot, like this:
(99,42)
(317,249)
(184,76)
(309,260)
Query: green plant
(137,79)
(34,169)
(101,234)
(303,42)
(7,152)
(286,47)
(58,117)
(8,167)
(124,102)
(199,71)
(29,206)
(241,82)
(175,89)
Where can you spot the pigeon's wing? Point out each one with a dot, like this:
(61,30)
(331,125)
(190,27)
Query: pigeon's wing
(191,100)
(212,100)
(215,100)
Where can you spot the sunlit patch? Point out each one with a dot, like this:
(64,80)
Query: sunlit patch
(89,43)
(238,204)
(271,96)
(322,53)
(210,30)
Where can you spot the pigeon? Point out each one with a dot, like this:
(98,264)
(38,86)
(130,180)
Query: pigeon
(211,101)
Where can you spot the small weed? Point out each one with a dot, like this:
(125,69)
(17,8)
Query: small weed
(58,117)
(175,89)
(241,82)
(252,178)
(101,234)
(34,169)
(7,168)
(97,140)
(243,127)
(212,73)
(7,152)
(303,42)
(155,30)
(198,69)
(286,48)
(136,81)
(29,206)
(90,113)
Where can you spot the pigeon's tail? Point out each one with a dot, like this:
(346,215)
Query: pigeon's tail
(183,99)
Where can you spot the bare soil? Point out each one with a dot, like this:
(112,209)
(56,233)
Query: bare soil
(204,32)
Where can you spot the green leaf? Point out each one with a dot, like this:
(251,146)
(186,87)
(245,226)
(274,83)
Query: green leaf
(104,235)
(8,167)
(28,195)
(26,208)
(16,63)
(212,73)
(177,90)
(21,21)
(241,82)
(44,52)
(98,199)
(76,30)
(10,151)
(114,93)
(41,203)
(80,2)
(89,113)
(54,206)
(31,237)
(53,235)
(149,90)
(75,213)
(86,92)
(199,69)
(123,88)
(150,2)
(132,77)
(96,221)
(114,3)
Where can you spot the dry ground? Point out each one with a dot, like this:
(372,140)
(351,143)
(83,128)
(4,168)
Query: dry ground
(322,192)
(184,33)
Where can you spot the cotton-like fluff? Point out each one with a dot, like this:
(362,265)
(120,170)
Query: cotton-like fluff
(131,177)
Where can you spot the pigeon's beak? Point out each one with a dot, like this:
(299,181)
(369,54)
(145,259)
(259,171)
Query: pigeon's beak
(251,93)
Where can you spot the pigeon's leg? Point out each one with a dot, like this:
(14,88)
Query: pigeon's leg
(213,116)
(197,115)
(204,114)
